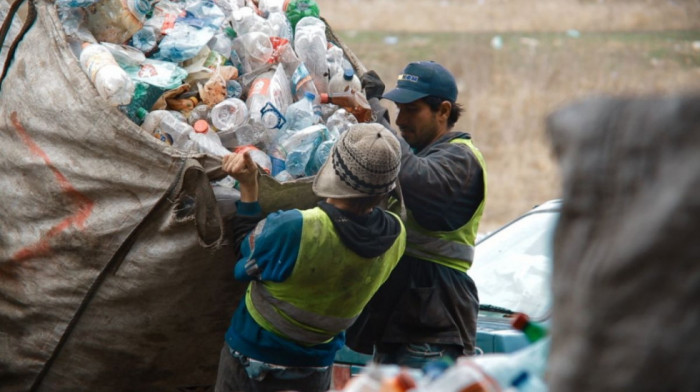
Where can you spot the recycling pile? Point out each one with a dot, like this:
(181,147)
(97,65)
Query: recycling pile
(520,371)
(214,76)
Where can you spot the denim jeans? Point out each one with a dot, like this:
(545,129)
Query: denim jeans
(415,355)
(239,374)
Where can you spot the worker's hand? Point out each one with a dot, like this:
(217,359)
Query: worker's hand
(245,171)
(372,85)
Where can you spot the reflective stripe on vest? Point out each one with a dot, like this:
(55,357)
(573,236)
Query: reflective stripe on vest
(436,245)
(454,249)
(328,287)
(270,307)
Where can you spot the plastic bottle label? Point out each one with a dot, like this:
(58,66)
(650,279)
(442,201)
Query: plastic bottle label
(300,77)
(260,86)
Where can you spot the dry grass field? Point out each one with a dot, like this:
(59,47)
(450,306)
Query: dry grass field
(551,52)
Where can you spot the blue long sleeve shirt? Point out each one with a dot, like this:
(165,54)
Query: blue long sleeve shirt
(269,255)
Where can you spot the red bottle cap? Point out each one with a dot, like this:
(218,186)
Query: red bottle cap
(520,321)
(201,126)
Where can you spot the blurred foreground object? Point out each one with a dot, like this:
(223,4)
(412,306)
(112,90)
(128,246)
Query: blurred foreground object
(626,276)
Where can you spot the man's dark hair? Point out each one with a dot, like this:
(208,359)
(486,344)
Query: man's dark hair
(434,103)
(363,203)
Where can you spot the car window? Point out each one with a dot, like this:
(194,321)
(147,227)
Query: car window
(512,267)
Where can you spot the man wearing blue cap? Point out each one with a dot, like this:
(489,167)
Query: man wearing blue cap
(428,307)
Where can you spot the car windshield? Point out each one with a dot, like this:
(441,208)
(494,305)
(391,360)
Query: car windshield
(512,267)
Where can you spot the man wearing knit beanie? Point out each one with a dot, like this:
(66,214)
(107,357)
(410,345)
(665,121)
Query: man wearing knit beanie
(428,307)
(312,271)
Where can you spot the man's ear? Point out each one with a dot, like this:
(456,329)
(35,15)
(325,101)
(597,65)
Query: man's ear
(445,109)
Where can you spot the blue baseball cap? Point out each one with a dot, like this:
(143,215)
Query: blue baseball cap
(421,79)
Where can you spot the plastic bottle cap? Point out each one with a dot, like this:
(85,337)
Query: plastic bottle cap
(324,98)
(309,95)
(348,74)
(520,321)
(201,126)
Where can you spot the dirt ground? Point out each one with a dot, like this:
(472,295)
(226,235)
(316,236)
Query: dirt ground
(511,15)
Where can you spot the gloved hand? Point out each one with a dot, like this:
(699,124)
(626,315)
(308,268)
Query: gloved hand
(372,84)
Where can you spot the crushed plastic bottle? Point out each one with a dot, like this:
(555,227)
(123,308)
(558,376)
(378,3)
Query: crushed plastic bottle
(301,113)
(191,32)
(255,50)
(110,80)
(311,45)
(258,156)
(166,126)
(145,40)
(340,121)
(299,147)
(280,25)
(233,89)
(265,101)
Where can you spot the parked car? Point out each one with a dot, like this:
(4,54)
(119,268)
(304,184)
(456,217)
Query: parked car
(512,272)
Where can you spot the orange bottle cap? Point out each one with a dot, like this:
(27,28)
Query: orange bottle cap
(201,126)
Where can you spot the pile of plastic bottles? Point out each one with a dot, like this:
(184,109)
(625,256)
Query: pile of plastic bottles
(216,76)
(522,370)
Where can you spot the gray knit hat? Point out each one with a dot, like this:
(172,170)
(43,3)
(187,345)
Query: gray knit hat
(364,161)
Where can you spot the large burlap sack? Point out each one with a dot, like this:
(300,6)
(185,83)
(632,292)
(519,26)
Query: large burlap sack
(114,270)
(626,277)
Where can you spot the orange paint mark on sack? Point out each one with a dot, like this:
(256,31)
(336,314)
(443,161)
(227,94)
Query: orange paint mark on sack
(83,203)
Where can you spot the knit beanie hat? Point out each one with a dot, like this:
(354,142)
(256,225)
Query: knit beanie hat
(364,161)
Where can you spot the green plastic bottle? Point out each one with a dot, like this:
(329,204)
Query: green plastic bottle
(533,331)
(297,9)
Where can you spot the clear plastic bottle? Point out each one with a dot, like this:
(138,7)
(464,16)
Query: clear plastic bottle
(340,121)
(125,55)
(207,140)
(164,125)
(111,81)
(258,156)
(221,44)
(260,102)
(311,45)
(255,50)
(301,113)
(280,25)
(284,176)
(145,39)
(299,148)
(302,82)
(344,81)
(200,112)
(319,156)
(233,89)
(229,114)
(353,101)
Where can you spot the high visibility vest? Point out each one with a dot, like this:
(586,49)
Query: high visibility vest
(454,249)
(328,288)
